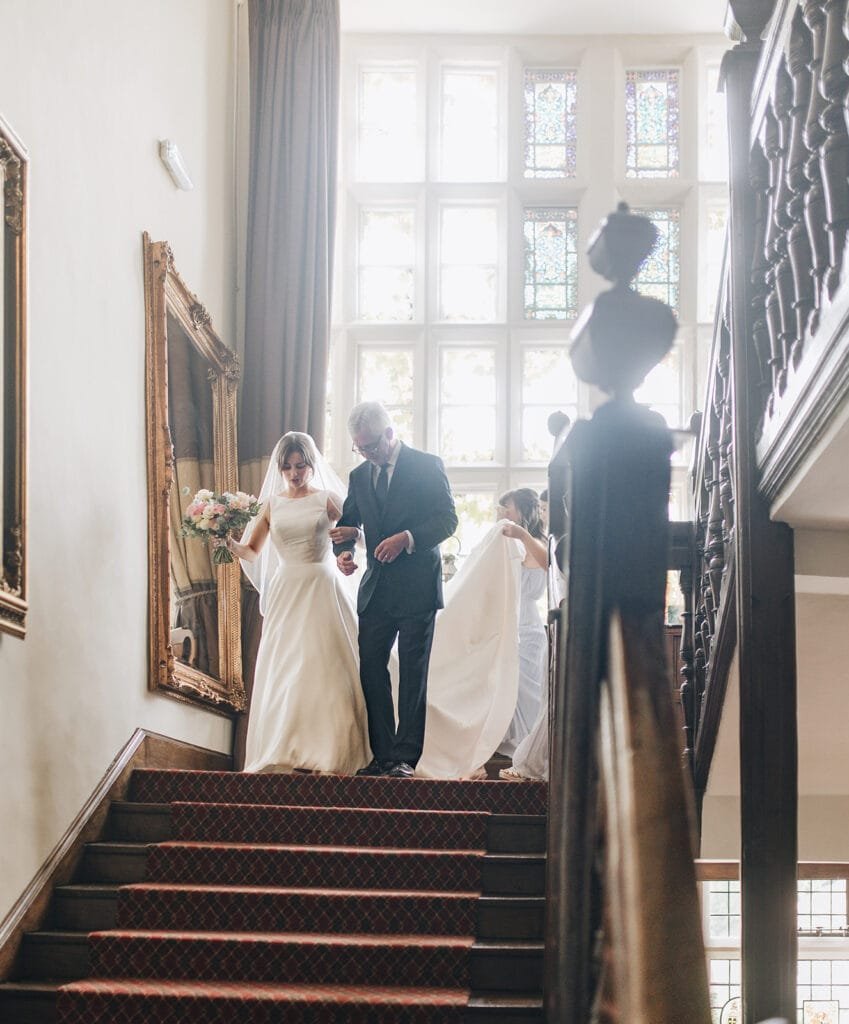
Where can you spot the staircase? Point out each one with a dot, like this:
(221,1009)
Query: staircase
(218,896)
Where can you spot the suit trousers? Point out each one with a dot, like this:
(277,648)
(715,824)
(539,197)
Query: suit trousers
(378,629)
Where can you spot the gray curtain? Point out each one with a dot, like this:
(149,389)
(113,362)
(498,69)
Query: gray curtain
(294,86)
(294,83)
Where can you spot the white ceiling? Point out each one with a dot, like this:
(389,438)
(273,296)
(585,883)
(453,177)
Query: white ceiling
(534,17)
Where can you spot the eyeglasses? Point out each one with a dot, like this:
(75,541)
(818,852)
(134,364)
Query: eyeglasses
(367,449)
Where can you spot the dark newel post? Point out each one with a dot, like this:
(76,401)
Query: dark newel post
(618,483)
(766,625)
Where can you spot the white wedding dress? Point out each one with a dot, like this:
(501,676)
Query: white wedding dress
(533,656)
(307,708)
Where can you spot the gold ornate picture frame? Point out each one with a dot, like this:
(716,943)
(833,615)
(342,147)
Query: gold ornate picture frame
(169,305)
(13,383)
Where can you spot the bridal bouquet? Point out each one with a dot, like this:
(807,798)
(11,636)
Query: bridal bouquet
(211,517)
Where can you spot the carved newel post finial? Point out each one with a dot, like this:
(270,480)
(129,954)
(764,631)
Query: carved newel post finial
(623,334)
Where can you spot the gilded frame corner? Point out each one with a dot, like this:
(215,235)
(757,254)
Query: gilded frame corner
(13,353)
(166,293)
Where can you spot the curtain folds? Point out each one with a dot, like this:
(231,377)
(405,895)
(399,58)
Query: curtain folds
(294,83)
(294,89)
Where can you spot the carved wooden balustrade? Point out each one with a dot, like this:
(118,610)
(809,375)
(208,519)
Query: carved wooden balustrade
(708,634)
(798,154)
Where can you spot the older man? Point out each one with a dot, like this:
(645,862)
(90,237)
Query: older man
(401,497)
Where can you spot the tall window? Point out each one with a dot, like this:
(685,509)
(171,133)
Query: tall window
(473,177)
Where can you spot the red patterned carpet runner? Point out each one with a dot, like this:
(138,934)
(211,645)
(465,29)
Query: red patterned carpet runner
(298,898)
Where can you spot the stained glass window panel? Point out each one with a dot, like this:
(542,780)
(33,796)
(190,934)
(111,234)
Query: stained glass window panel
(468,277)
(660,273)
(469,126)
(385,375)
(824,982)
(467,395)
(388,147)
(386,256)
(551,263)
(651,124)
(548,384)
(551,100)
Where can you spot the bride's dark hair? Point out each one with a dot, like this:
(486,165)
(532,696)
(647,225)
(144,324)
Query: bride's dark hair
(527,504)
(295,441)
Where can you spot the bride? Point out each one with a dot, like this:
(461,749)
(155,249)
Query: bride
(307,708)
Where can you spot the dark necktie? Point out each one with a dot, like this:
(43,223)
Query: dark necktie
(382,486)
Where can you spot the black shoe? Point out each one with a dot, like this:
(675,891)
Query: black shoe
(374,767)
(401,770)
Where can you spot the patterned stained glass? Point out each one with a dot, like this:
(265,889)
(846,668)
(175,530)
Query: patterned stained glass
(468,257)
(548,384)
(388,146)
(386,375)
(386,258)
(551,263)
(660,274)
(467,397)
(822,905)
(551,102)
(468,148)
(823,982)
(651,124)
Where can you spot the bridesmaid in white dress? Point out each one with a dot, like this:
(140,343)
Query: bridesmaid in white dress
(307,708)
(522,508)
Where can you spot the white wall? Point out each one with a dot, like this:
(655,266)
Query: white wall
(90,86)
(822,656)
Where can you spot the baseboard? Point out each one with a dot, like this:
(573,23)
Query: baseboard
(143,750)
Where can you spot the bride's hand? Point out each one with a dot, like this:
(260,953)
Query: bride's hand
(343,534)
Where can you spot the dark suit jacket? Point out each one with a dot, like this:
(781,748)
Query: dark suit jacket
(419,500)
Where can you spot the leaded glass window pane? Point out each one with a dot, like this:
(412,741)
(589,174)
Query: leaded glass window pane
(386,258)
(551,263)
(822,994)
(469,124)
(386,375)
(548,384)
(468,275)
(662,388)
(723,910)
(651,124)
(467,395)
(716,220)
(715,156)
(724,982)
(551,100)
(660,273)
(475,515)
(388,147)
(822,905)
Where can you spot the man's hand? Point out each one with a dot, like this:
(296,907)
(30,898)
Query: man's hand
(342,534)
(346,564)
(390,548)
